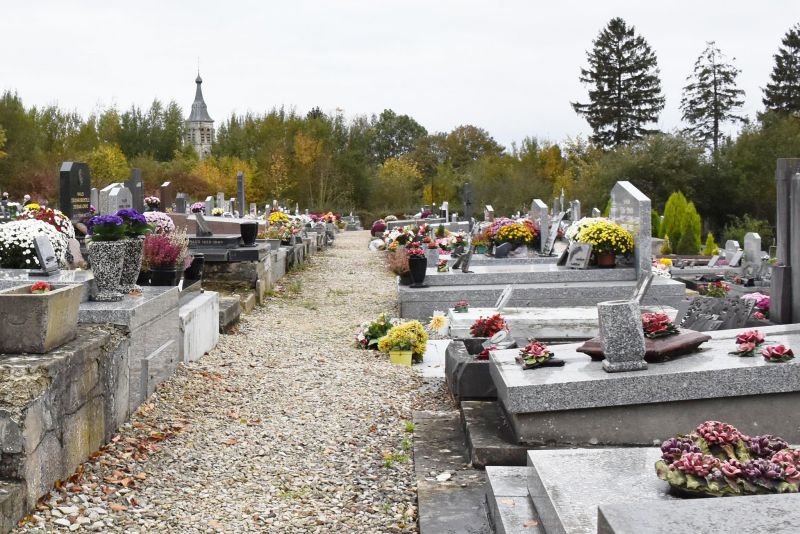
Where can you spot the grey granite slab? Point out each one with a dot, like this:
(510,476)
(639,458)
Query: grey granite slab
(776,514)
(510,509)
(484,259)
(532,273)
(710,373)
(566,486)
(131,312)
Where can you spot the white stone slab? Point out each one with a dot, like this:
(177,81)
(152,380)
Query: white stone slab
(199,323)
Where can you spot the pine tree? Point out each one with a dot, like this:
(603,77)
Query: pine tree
(625,90)
(783,91)
(711,97)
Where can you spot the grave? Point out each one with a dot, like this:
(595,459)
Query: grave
(136,186)
(785,282)
(630,208)
(539,214)
(199,326)
(240,200)
(75,185)
(167,196)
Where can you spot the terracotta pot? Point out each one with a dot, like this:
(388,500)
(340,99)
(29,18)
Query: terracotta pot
(106,258)
(132,264)
(607,260)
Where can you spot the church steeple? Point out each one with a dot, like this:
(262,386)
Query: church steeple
(199,125)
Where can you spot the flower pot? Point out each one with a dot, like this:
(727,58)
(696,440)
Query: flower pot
(132,264)
(38,323)
(163,277)
(607,260)
(274,244)
(481,249)
(400,357)
(195,270)
(405,279)
(417,267)
(143,279)
(249,232)
(106,258)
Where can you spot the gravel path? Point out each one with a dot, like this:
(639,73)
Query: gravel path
(284,427)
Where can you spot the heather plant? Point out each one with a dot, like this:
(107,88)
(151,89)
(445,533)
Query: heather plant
(160,252)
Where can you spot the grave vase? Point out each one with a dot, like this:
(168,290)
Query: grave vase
(164,277)
(248,231)
(143,279)
(405,279)
(621,335)
(274,244)
(106,258)
(417,265)
(400,357)
(132,264)
(607,260)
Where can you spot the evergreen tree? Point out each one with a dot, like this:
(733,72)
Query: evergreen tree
(711,247)
(673,217)
(783,91)
(625,90)
(711,97)
(690,232)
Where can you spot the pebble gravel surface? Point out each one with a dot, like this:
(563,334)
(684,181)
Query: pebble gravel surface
(284,427)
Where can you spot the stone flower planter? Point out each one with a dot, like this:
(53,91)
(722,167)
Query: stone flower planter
(132,264)
(38,323)
(106,259)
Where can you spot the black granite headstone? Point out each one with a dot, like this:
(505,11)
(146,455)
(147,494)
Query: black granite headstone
(467,201)
(136,185)
(239,194)
(75,185)
(167,191)
(181,202)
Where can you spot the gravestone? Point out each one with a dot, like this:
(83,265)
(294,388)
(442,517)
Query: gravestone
(630,208)
(119,198)
(752,248)
(75,186)
(254,209)
(538,214)
(219,202)
(596,213)
(505,296)
(209,204)
(46,256)
(706,314)
(713,261)
(94,198)
(556,206)
(488,213)
(203,229)
(136,186)
(561,205)
(467,194)
(552,233)
(579,255)
(444,210)
(103,207)
(181,202)
(785,274)
(232,207)
(167,192)
(731,248)
(575,210)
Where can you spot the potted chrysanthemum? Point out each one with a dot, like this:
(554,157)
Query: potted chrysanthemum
(405,343)
(608,239)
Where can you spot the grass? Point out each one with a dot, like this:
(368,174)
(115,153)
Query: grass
(410,426)
(296,287)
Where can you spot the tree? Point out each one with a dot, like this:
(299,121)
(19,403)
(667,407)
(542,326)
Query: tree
(711,97)
(107,164)
(397,186)
(711,247)
(625,92)
(673,217)
(783,91)
(690,232)
(395,135)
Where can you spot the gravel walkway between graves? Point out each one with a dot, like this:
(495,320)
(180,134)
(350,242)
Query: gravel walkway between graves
(284,427)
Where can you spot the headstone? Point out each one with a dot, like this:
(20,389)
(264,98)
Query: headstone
(642,285)
(203,229)
(488,213)
(181,203)
(232,207)
(713,261)
(596,213)
(731,248)
(502,250)
(538,214)
(505,296)
(103,207)
(45,254)
(94,198)
(467,196)
(240,200)
(209,204)
(552,233)
(630,208)
(167,191)
(579,255)
(575,210)
(119,198)
(75,185)
(736,259)
(752,248)
(219,202)
(254,209)
(136,186)
(556,206)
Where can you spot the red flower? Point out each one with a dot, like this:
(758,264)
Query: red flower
(751,336)
(484,354)
(777,353)
(488,326)
(40,287)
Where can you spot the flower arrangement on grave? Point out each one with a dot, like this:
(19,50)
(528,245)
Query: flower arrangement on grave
(534,354)
(160,252)
(484,354)
(777,353)
(748,342)
(442,266)
(606,237)
(390,218)
(217,212)
(378,227)
(152,202)
(717,460)
(438,324)
(462,306)
(718,289)
(762,305)
(430,243)
(414,250)
(516,233)
(135,223)
(425,214)
(406,336)
(180,239)
(488,326)
(16,243)
(198,207)
(159,221)
(40,287)
(585,222)
(657,325)
(491,230)
(371,331)
(277,217)
(54,218)
(106,228)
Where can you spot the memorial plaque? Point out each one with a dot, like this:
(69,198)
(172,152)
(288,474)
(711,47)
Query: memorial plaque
(736,259)
(203,229)
(45,255)
(552,234)
(505,296)
(579,255)
(75,186)
(642,285)
(136,186)
(630,208)
(713,261)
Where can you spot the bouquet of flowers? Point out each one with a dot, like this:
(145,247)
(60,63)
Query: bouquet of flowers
(762,304)
(371,331)
(16,243)
(717,460)
(658,325)
(488,326)
(534,354)
(441,266)
(40,287)
(135,223)
(415,251)
(106,228)
(198,207)
(54,218)
(718,289)
(405,336)
(748,342)
(159,221)
(515,233)
(606,237)
(217,212)
(576,227)
(160,252)
(462,306)
(152,202)
(277,217)
(438,325)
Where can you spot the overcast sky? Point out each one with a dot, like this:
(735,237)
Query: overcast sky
(510,67)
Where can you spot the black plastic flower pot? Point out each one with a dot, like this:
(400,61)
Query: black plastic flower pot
(163,277)
(248,231)
(417,267)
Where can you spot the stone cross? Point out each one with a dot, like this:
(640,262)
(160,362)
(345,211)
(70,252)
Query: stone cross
(630,208)
(75,185)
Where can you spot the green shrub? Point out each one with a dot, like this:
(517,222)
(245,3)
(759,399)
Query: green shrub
(690,232)
(655,223)
(674,211)
(738,226)
(608,208)
(666,248)
(711,247)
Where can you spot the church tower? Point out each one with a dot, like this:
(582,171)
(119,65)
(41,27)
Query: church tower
(199,126)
